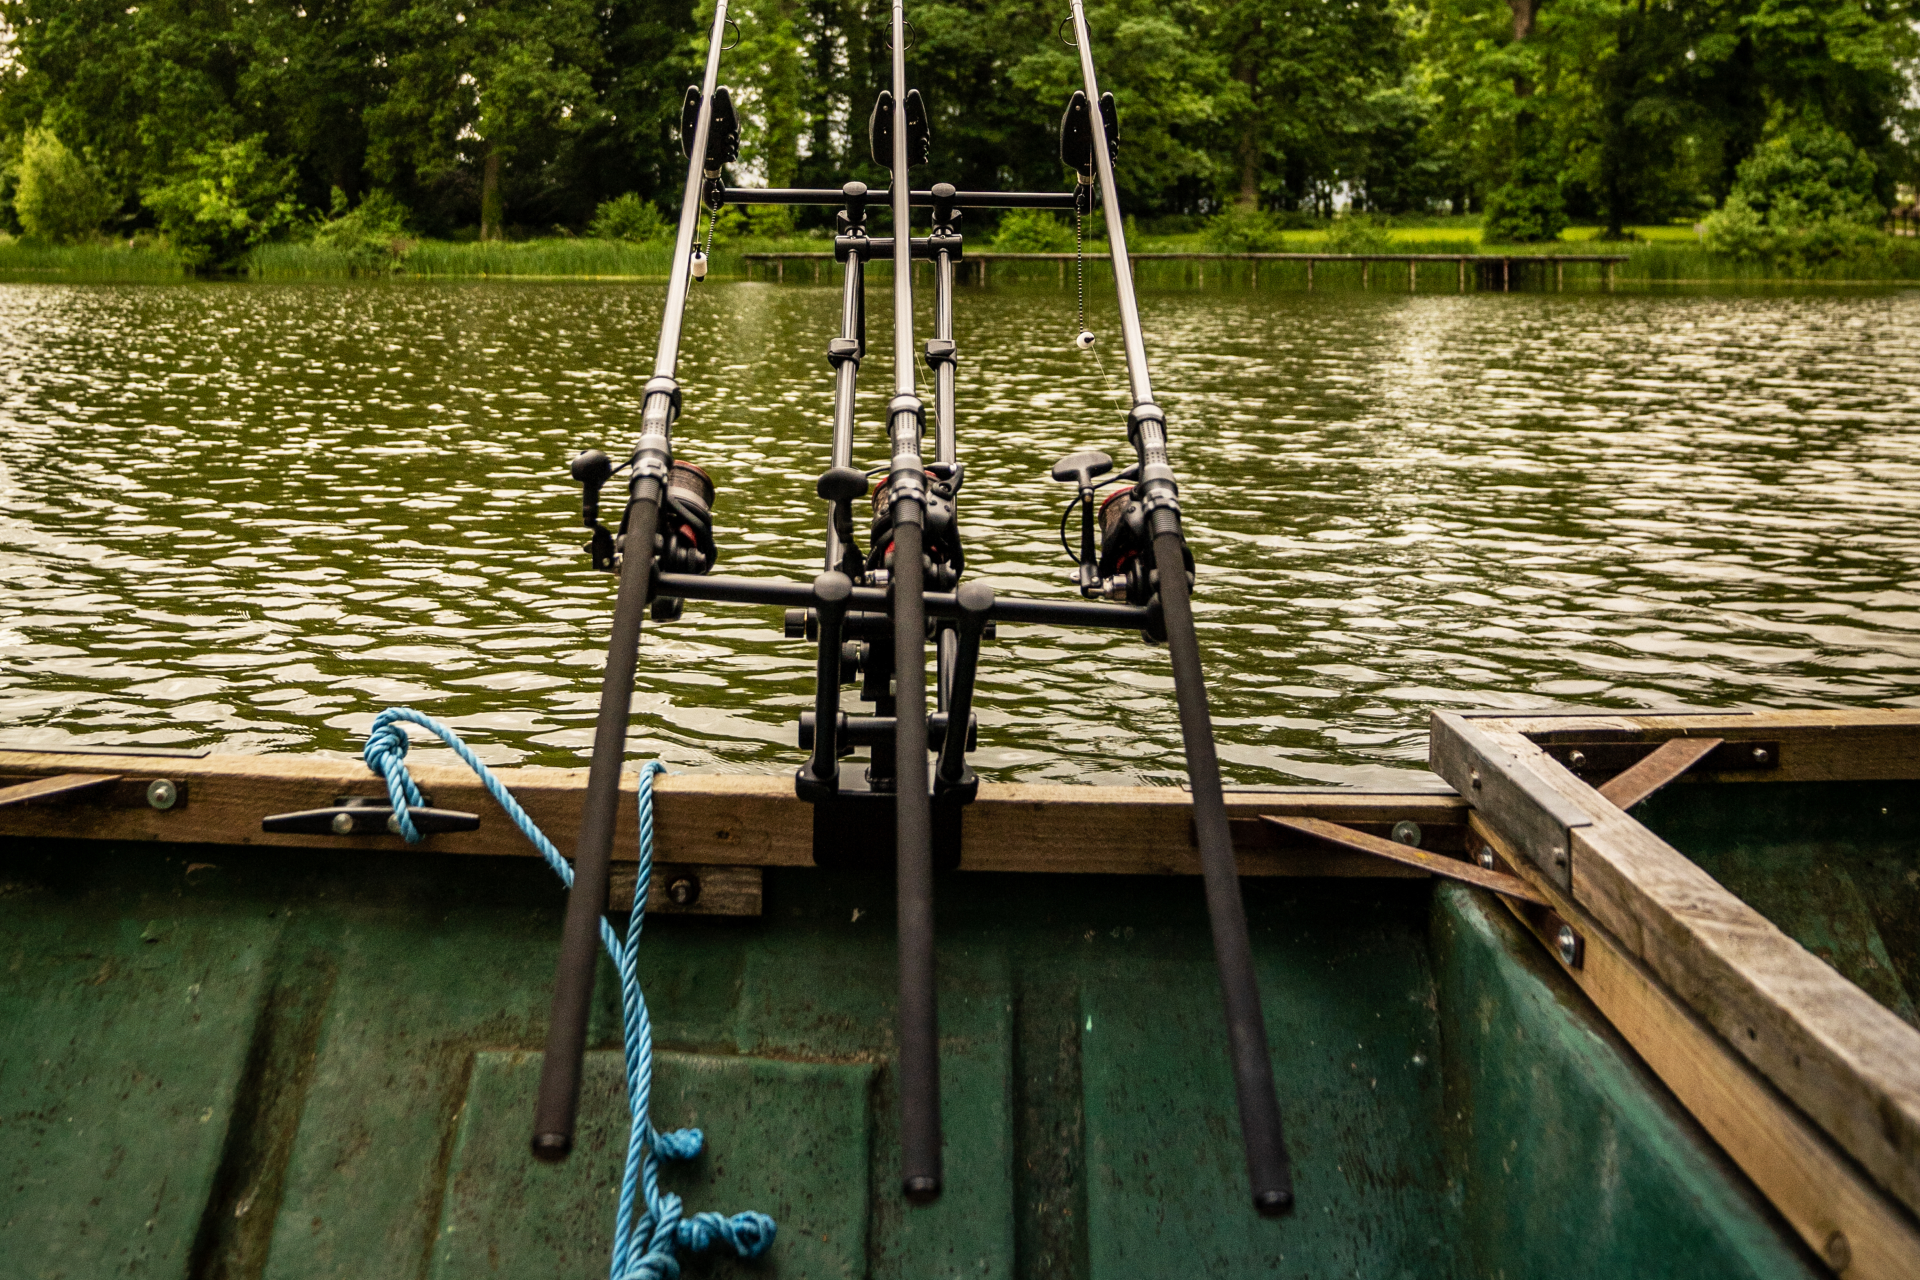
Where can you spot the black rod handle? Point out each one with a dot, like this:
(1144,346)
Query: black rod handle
(580,938)
(1268,1165)
(920,1172)
(976,603)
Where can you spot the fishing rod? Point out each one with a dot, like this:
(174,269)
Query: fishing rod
(655,480)
(872,615)
(1152,508)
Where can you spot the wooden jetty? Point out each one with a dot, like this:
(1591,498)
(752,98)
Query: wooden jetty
(1487,263)
(1597,1005)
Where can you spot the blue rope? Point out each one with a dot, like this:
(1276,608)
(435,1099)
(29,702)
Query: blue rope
(642,1249)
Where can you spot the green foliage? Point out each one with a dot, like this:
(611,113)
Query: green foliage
(1526,210)
(223,201)
(1805,195)
(58,196)
(372,236)
(1243,229)
(630,218)
(542,111)
(1359,233)
(1033,231)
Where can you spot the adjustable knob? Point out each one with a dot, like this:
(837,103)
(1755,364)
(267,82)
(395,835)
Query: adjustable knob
(592,468)
(1081,468)
(842,484)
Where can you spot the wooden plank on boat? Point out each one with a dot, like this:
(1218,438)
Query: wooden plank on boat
(689,890)
(1495,782)
(1851,1064)
(726,819)
(1669,760)
(1816,1188)
(67,785)
(1394,851)
(1881,744)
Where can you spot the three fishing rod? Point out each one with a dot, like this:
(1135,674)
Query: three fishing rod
(655,481)
(1150,513)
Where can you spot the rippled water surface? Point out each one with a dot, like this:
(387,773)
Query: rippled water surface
(251,516)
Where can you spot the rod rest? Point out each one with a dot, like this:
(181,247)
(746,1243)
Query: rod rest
(1062,200)
(805,624)
(877,731)
(922,248)
(940,604)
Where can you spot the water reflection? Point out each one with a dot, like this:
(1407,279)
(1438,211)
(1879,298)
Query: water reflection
(252,516)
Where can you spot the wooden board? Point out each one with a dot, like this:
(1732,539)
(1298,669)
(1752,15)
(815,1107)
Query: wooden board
(751,820)
(1816,1188)
(1815,746)
(1848,1062)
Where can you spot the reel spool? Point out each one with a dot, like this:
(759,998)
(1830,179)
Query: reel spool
(1126,546)
(684,542)
(944,558)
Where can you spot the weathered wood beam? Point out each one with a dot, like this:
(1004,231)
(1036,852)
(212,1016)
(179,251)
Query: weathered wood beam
(1843,1217)
(1394,851)
(730,819)
(1849,1063)
(65,784)
(1669,760)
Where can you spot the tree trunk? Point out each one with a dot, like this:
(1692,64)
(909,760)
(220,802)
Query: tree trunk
(492,210)
(1249,148)
(1524,12)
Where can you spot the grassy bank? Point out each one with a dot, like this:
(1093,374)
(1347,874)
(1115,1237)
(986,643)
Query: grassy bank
(92,262)
(1656,256)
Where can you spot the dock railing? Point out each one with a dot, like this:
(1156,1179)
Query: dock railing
(1505,262)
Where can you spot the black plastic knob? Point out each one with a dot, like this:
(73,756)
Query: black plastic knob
(842,484)
(592,468)
(1081,468)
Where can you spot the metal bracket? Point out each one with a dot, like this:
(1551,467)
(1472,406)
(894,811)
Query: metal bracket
(1538,820)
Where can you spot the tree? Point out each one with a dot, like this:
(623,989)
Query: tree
(58,196)
(500,90)
(223,201)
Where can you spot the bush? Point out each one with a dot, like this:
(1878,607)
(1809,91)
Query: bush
(223,201)
(630,218)
(1528,209)
(1803,196)
(373,235)
(1033,231)
(1242,228)
(59,197)
(1359,233)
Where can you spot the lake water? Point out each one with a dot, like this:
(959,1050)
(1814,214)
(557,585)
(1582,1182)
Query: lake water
(251,516)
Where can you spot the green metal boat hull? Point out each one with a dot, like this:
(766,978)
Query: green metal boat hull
(230,1063)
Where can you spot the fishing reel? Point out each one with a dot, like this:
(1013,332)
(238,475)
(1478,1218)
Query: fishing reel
(1123,569)
(944,560)
(683,542)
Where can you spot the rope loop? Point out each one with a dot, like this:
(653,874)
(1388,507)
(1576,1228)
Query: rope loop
(661,1227)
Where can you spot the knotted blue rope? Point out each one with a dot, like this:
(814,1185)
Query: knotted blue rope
(643,1249)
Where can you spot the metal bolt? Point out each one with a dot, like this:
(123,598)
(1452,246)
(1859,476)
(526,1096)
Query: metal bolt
(393,824)
(1473,779)
(1407,833)
(1486,856)
(1568,944)
(1559,856)
(1760,757)
(683,891)
(1839,1252)
(1577,759)
(342,824)
(162,794)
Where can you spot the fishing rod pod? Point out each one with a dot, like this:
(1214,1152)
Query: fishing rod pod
(871,615)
